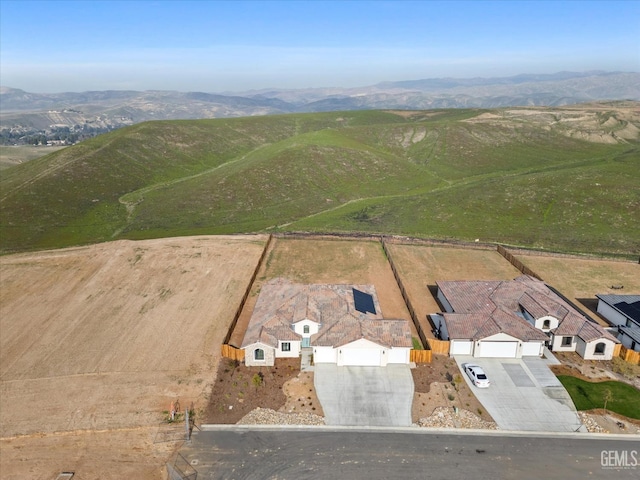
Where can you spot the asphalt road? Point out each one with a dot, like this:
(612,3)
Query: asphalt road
(259,453)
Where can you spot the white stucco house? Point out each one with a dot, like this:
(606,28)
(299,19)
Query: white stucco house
(339,324)
(623,312)
(514,319)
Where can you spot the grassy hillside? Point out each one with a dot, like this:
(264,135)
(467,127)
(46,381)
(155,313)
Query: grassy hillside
(504,176)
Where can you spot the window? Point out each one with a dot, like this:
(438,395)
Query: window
(566,341)
(600,347)
(285,346)
(258,354)
(546,324)
(305,329)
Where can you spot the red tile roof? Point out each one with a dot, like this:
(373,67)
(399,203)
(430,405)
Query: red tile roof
(281,304)
(495,304)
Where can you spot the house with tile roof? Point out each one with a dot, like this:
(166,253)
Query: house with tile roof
(340,324)
(514,319)
(623,312)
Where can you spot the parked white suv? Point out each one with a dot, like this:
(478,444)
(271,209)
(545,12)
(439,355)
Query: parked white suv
(477,375)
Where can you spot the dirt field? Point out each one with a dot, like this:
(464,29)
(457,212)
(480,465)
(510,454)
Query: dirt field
(328,261)
(420,266)
(581,279)
(97,341)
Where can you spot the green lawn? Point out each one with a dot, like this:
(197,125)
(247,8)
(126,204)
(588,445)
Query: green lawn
(625,399)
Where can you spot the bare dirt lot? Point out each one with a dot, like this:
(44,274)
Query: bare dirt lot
(581,279)
(97,341)
(420,266)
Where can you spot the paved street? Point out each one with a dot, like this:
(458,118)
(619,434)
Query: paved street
(230,452)
(365,396)
(524,395)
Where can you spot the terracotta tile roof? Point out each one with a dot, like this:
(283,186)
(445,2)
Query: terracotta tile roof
(477,326)
(281,304)
(493,305)
(577,325)
(517,327)
(388,333)
(539,305)
(462,326)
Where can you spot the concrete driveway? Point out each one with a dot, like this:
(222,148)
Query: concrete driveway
(365,396)
(524,395)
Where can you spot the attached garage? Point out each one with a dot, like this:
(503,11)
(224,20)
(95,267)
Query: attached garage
(497,349)
(461,347)
(532,349)
(361,353)
(360,357)
(398,355)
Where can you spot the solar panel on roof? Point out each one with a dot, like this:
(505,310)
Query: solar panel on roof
(363,302)
(632,310)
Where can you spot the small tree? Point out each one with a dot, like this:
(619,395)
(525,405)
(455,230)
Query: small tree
(257,380)
(607,396)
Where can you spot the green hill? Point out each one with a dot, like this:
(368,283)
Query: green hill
(564,179)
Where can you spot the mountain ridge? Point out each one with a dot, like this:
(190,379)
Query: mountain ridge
(32,118)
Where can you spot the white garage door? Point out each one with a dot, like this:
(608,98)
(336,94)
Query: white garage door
(531,349)
(498,349)
(461,347)
(363,357)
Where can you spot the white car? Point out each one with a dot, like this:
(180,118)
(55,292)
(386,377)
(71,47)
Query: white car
(477,375)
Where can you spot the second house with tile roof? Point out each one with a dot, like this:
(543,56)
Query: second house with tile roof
(514,319)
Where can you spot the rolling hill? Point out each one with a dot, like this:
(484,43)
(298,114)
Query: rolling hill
(555,178)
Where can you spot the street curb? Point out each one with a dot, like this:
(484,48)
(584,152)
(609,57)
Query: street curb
(418,431)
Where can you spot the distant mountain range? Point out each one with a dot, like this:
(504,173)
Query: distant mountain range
(31,117)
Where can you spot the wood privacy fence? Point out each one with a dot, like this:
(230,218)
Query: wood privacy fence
(420,356)
(627,354)
(405,296)
(229,351)
(439,347)
(517,263)
(247,291)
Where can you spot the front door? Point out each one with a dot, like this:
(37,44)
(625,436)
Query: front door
(306,342)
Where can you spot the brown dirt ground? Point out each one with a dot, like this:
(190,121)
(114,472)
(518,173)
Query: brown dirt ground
(420,266)
(580,279)
(283,388)
(101,339)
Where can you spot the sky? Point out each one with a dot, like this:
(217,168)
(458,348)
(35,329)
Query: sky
(236,46)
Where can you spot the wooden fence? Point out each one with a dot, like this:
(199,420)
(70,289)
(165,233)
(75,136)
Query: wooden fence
(420,356)
(627,354)
(229,351)
(247,291)
(439,347)
(517,263)
(405,296)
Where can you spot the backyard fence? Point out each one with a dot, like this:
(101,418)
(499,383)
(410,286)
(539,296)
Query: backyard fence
(627,354)
(247,291)
(439,347)
(517,263)
(405,296)
(229,351)
(420,356)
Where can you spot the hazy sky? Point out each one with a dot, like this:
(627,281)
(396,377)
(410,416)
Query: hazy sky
(218,46)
